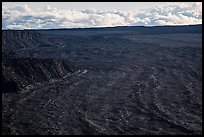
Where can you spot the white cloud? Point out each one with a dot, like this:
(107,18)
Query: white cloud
(23,17)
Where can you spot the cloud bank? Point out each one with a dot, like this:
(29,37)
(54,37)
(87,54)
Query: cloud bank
(23,17)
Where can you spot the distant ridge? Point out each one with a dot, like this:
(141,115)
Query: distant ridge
(116,27)
(136,29)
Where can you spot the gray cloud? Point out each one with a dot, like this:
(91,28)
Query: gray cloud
(23,17)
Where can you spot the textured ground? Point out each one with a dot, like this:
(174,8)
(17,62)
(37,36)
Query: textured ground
(135,84)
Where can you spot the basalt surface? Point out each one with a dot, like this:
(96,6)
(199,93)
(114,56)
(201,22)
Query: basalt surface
(112,81)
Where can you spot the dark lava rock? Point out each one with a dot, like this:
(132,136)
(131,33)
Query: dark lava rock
(26,71)
(16,39)
(143,81)
(19,69)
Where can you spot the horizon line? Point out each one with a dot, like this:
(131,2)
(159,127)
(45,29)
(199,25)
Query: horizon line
(178,25)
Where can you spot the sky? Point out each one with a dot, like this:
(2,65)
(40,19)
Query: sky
(86,5)
(46,15)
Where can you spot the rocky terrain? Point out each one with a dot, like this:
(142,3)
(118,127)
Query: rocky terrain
(20,69)
(103,81)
